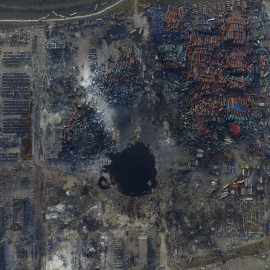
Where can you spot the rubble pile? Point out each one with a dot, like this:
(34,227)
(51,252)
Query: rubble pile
(119,81)
(15,38)
(84,136)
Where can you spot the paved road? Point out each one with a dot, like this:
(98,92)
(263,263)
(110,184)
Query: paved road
(66,19)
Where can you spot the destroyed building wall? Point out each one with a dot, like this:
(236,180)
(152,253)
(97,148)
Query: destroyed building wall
(143,250)
(117,253)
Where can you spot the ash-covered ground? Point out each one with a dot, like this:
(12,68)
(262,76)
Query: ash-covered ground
(139,140)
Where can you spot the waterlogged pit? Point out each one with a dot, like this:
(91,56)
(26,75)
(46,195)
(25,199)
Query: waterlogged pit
(133,170)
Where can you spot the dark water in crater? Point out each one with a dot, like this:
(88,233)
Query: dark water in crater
(133,170)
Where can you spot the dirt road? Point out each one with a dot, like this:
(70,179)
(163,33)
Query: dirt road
(163,251)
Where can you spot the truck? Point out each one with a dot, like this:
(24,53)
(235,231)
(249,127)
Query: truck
(55,14)
(73,14)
